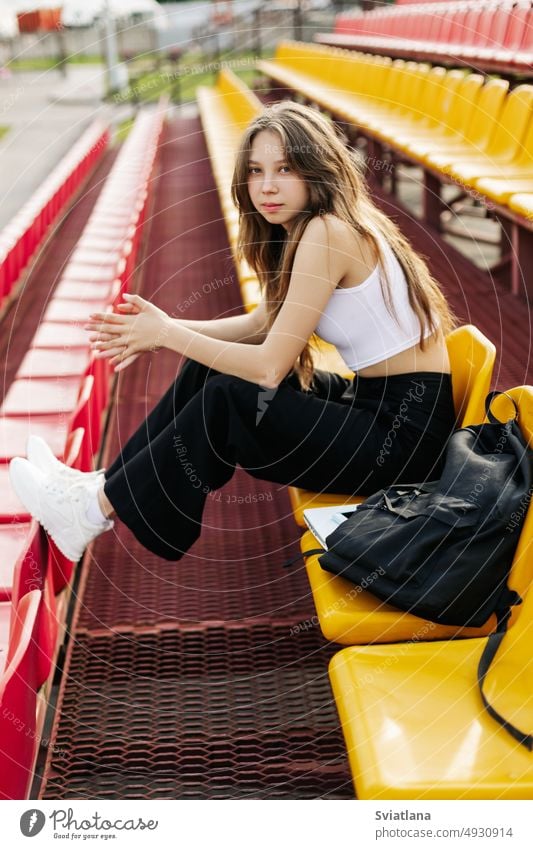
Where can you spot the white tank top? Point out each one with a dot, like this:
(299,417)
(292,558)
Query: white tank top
(358,322)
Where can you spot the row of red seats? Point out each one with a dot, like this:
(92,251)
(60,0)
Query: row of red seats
(60,392)
(489,34)
(26,232)
(428,2)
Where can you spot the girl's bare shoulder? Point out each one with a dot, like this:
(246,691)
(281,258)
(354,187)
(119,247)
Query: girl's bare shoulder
(338,232)
(342,240)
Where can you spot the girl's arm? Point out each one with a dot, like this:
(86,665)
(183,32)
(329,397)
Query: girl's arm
(318,266)
(250,328)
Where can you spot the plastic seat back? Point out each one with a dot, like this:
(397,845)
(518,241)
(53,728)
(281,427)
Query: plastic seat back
(472,23)
(433,26)
(32,572)
(18,700)
(525,149)
(353,74)
(416,79)
(87,417)
(411,80)
(392,83)
(241,103)
(432,94)
(456,32)
(472,358)
(485,26)
(527,41)
(446,26)
(485,113)
(467,94)
(514,119)
(517,26)
(446,91)
(499,25)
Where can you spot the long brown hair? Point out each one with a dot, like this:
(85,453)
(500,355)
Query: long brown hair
(336,186)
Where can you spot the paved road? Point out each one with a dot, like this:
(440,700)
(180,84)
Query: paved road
(46,113)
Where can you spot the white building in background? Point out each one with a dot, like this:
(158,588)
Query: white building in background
(80,13)
(8,20)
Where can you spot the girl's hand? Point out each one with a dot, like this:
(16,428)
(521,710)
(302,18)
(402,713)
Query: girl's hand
(121,338)
(127,308)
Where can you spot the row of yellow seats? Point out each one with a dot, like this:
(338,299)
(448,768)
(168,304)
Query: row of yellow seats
(474,132)
(226,109)
(412,715)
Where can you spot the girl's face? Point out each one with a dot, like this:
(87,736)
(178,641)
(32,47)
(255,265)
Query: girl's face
(277,193)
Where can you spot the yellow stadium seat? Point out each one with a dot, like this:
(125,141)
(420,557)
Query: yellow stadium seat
(523,204)
(500,189)
(226,109)
(472,358)
(412,716)
(399,105)
(440,96)
(363,89)
(452,132)
(425,109)
(484,117)
(251,294)
(415,727)
(505,144)
(436,107)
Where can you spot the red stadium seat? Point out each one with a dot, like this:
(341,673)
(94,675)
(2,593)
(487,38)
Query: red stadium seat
(26,567)
(42,396)
(76,312)
(74,290)
(87,416)
(14,432)
(63,336)
(54,362)
(18,694)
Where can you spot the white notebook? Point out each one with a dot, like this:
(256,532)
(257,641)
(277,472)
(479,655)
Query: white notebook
(322,521)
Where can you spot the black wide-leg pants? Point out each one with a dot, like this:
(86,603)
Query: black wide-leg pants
(341,436)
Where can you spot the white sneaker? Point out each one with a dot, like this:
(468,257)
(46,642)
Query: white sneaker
(41,455)
(60,506)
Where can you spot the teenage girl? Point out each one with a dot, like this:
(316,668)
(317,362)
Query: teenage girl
(329,262)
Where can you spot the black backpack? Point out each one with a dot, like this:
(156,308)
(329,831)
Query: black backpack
(443,550)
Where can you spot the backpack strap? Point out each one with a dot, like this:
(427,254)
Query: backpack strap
(303,555)
(488,655)
(490,398)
